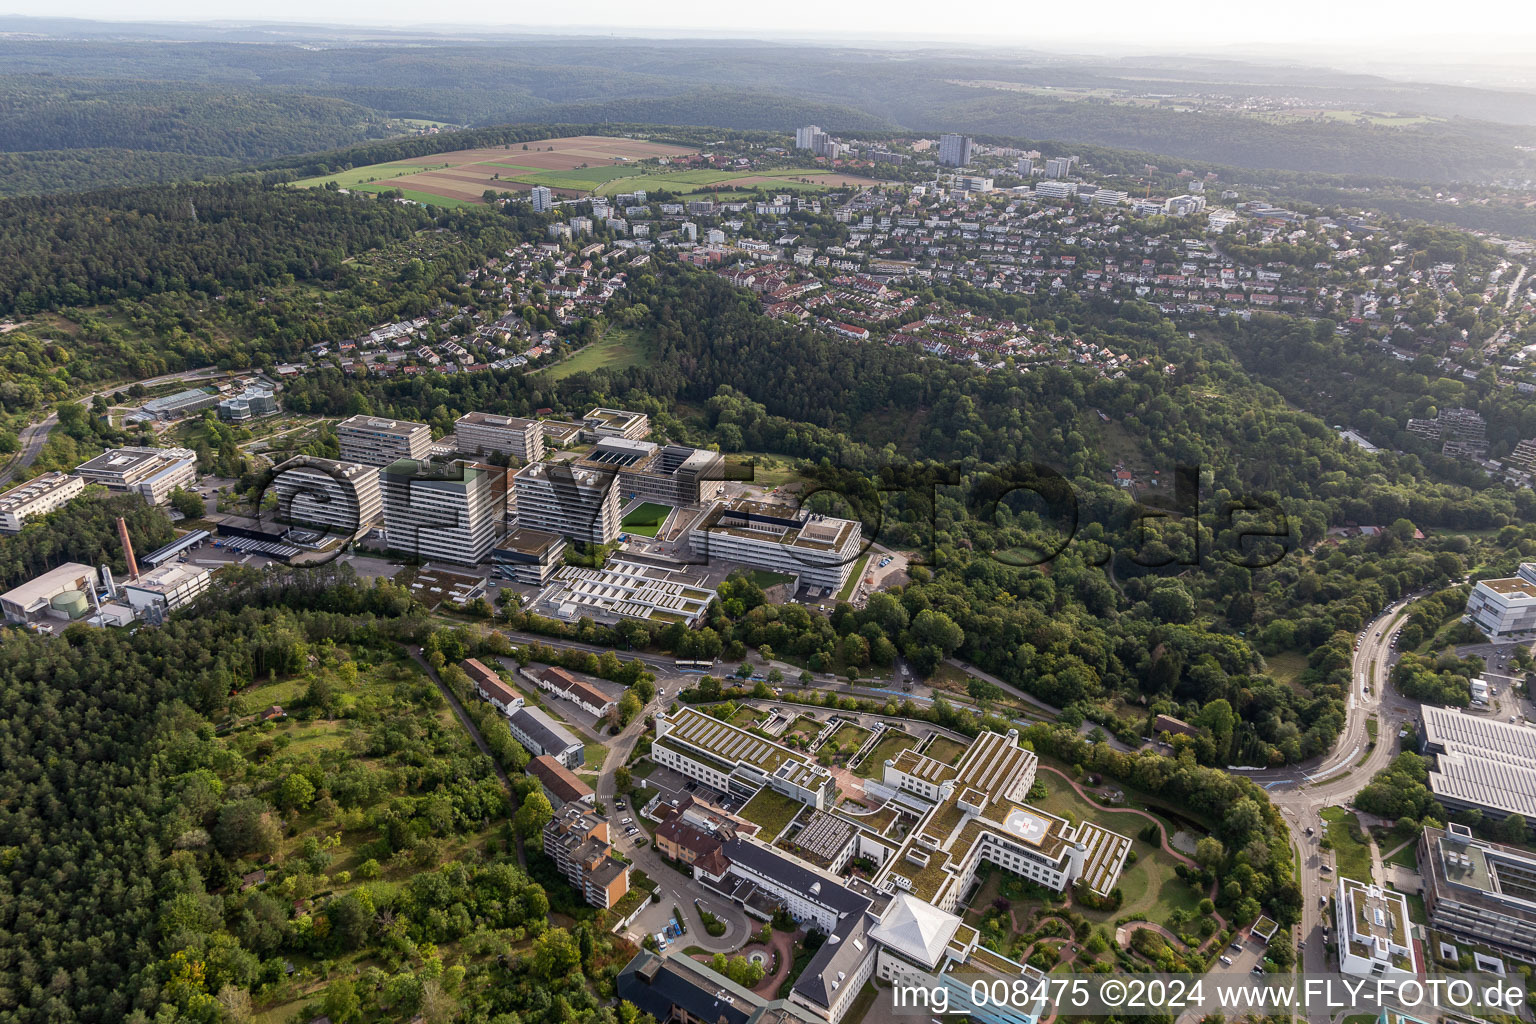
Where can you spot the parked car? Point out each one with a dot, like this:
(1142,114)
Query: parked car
(1227,960)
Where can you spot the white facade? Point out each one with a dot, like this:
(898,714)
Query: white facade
(478,433)
(151,473)
(582,504)
(955,150)
(820,550)
(543,199)
(167,588)
(450,520)
(36,497)
(1505,607)
(1375,937)
(375,441)
(326,494)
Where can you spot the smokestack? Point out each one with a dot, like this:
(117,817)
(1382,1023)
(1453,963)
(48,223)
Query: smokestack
(122,533)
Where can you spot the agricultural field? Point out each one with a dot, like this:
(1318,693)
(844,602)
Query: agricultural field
(573,167)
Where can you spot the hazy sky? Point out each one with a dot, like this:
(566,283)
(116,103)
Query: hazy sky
(1368,26)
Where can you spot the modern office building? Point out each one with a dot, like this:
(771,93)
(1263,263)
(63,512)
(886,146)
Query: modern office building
(1374,934)
(626,589)
(1505,607)
(529,556)
(254,402)
(1480,763)
(732,760)
(976,815)
(37,497)
(172,407)
(543,199)
(600,423)
(1055,189)
(1479,892)
(375,441)
(483,433)
(163,590)
(672,474)
(955,150)
(540,734)
(151,473)
(577,841)
(580,503)
(324,494)
(820,550)
(61,593)
(449,515)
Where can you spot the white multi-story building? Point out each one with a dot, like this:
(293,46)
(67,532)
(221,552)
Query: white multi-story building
(480,433)
(543,199)
(1505,607)
(735,761)
(1375,937)
(1056,189)
(151,473)
(449,517)
(167,588)
(325,494)
(820,550)
(579,503)
(375,441)
(600,422)
(805,138)
(37,497)
(955,150)
(1059,166)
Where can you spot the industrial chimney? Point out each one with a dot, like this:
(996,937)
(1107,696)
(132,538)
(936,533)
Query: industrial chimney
(122,533)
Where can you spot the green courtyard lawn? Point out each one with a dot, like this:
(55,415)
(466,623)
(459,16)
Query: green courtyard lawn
(1352,857)
(772,811)
(803,726)
(891,744)
(646,519)
(944,749)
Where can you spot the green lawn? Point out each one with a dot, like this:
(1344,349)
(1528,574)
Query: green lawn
(945,749)
(371,173)
(807,727)
(765,579)
(770,810)
(1352,858)
(849,738)
(594,753)
(891,744)
(425,198)
(616,349)
(1407,857)
(646,519)
(854,577)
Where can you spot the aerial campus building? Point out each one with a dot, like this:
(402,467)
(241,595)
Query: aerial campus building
(819,550)
(375,441)
(1505,607)
(580,503)
(326,494)
(449,517)
(1480,763)
(37,497)
(733,760)
(483,433)
(151,473)
(672,474)
(1479,892)
(600,423)
(1374,931)
(625,589)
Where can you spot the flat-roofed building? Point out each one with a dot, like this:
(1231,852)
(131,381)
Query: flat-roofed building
(151,473)
(1374,934)
(559,783)
(540,734)
(579,503)
(343,497)
(675,988)
(600,422)
(163,590)
(529,556)
(171,407)
(490,687)
(1480,763)
(577,841)
(732,760)
(484,433)
(254,402)
(672,474)
(376,441)
(626,589)
(37,497)
(450,515)
(34,598)
(975,814)
(819,549)
(1505,607)
(1479,892)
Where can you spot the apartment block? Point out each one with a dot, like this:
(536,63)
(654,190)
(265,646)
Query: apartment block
(540,734)
(489,686)
(565,686)
(559,783)
(578,842)
(324,494)
(151,473)
(820,550)
(955,150)
(483,433)
(375,441)
(579,503)
(37,497)
(448,516)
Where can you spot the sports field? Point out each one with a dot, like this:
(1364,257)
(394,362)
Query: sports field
(577,166)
